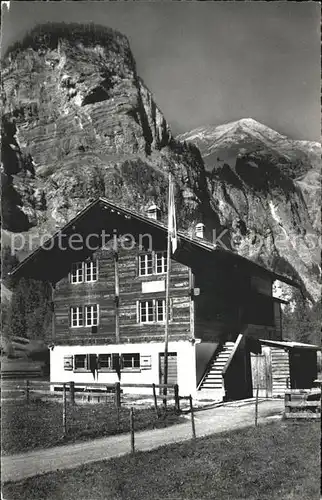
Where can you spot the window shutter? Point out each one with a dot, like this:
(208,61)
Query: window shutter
(68,363)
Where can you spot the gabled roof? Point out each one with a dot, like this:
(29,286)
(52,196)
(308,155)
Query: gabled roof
(92,217)
(289,344)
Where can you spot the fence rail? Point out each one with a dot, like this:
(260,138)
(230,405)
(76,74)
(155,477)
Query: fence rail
(91,392)
(302,403)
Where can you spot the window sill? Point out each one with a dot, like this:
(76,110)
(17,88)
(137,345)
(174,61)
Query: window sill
(131,370)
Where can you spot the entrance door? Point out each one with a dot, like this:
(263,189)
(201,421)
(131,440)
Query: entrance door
(262,373)
(172,368)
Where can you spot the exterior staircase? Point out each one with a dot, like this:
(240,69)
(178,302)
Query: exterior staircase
(212,381)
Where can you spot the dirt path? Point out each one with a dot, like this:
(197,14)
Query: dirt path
(227,417)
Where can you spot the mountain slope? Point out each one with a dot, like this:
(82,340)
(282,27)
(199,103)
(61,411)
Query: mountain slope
(80,123)
(266,190)
(224,143)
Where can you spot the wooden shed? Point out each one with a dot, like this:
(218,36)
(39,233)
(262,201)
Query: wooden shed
(283,365)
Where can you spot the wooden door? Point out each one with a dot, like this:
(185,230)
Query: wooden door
(172,368)
(262,373)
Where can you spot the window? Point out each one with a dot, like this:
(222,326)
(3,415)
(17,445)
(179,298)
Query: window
(91,315)
(105,361)
(152,263)
(160,262)
(153,310)
(76,275)
(131,360)
(145,264)
(76,316)
(90,270)
(146,311)
(160,310)
(80,362)
(84,271)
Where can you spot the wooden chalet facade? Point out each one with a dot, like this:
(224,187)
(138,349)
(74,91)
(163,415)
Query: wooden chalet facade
(109,305)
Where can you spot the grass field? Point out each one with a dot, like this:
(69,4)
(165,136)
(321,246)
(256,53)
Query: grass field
(277,461)
(39,424)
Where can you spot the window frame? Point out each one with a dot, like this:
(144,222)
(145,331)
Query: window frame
(155,255)
(145,255)
(80,309)
(164,262)
(86,306)
(155,311)
(81,272)
(109,368)
(93,266)
(85,369)
(71,274)
(133,367)
(141,302)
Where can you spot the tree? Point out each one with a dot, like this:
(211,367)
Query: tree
(303,323)
(8,262)
(31,309)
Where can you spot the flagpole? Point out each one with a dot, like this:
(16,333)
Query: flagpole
(167,290)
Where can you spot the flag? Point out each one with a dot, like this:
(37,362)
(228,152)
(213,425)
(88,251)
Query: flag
(172,224)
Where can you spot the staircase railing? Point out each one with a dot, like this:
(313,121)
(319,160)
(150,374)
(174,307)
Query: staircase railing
(232,354)
(208,366)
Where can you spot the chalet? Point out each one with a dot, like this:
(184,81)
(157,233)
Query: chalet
(109,304)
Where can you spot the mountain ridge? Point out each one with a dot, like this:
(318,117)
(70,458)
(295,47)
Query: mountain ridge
(79,123)
(251,135)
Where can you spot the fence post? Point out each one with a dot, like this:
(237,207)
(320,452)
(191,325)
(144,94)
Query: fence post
(192,418)
(64,411)
(72,392)
(155,401)
(132,429)
(256,406)
(27,391)
(287,399)
(176,398)
(118,394)
(118,419)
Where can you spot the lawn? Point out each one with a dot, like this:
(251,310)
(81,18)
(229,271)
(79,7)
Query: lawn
(39,424)
(277,461)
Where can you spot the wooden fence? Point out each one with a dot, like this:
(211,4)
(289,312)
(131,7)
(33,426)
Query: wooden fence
(303,404)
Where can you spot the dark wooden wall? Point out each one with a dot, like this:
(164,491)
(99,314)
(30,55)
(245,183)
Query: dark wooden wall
(104,292)
(226,304)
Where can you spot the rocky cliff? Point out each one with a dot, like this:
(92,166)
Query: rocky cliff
(78,122)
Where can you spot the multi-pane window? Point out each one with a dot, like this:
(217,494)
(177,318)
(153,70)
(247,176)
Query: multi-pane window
(145,264)
(131,360)
(90,269)
(84,316)
(152,263)
(153,310)
(80,362)
(84,271)
(105,361)
(160,262)
(160,310)
(76,275)
(76,316)
(91,315)
(146,311)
